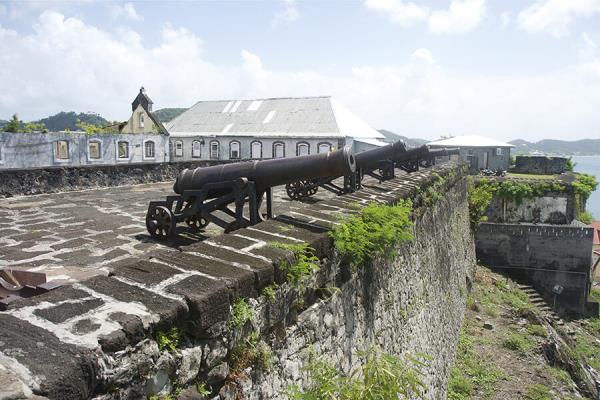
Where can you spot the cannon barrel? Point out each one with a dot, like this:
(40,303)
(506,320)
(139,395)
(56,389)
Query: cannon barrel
(269,173)
(412,154)
(443,152)
(370,159)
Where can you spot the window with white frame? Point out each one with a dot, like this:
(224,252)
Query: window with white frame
(278,150)
(256,150)
(324,147)
(94,150)
(214,150)
(149,149)
(179,148)
(499,151)
(302,149)
(234,150)
(196,149)
(122,150)
(62,150)
(141,118)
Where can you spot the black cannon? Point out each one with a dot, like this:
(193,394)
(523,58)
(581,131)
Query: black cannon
(203,191)
(378,163)
(421,157)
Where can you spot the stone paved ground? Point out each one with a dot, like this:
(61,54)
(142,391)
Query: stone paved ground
(74,235)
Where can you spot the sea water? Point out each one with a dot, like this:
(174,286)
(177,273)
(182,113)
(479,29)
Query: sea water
(590,165)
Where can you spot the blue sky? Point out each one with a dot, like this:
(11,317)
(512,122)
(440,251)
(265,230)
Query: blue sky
(504,69)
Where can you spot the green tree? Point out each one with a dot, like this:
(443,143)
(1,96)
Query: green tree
(14,125)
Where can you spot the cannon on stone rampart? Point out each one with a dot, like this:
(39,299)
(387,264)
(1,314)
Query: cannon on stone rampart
(421,157)
(379,163)
(202,192)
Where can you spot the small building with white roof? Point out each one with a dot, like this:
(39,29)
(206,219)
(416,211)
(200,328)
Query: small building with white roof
(266,128)
(478,151)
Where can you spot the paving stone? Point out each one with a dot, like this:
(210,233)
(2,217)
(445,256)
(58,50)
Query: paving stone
(208,299)
(63,370)
(233,241)
(72,243)
(84,326)
(146,272)
(263,270)
(65,311)
(62,293)
(239,281)
(169,311)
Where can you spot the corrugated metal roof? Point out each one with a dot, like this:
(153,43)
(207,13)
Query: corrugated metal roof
(469,141)
(305,116)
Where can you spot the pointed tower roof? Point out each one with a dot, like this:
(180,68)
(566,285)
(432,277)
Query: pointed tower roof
(143,99)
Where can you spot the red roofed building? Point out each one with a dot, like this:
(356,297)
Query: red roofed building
(596,226)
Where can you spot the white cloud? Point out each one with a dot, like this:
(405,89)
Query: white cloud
(462,16)
(555,16)
(3,10)
(126,11)
(402,13)
(86,68)
(289,13)
(505,19)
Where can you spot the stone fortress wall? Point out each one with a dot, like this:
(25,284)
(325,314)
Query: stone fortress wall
(97,337)
(546,255)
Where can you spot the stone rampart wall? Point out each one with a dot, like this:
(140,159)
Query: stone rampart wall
(98,337)
(540,165)
(17,182)
(546,255)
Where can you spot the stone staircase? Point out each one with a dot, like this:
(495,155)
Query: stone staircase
(539,301)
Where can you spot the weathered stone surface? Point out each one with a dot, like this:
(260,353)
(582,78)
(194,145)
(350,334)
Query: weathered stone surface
(63,371)
(240,281)
(64,311)
(208,299)
(145,272)
(131,324)
(169,311)
(262,269)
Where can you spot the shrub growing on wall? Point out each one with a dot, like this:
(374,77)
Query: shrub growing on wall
(373,232)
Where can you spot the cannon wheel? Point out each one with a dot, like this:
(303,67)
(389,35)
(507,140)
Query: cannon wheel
(294,189)
(196,223)
(160,222)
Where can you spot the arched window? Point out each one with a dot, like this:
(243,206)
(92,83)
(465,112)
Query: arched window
(149,149)
(278,150)
(256,150)
(61,150)
(324,147)
(214,150)
(122,150)
(196,149)
(141,118)
(179,148)
(302,149)
(94,150)
(234,150)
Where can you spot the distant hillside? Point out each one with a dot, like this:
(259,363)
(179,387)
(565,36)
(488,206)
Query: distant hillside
(393,137)
(68,120)
(167,114)
(584,147)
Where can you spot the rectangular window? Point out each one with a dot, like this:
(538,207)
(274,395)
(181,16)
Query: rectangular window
(62,150)
(214,150)
(235,150)
(94,150)
(179,148)
(123,150)
(499,151)
(149,149)
(141,120)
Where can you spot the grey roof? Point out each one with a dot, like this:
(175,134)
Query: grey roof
(305,116)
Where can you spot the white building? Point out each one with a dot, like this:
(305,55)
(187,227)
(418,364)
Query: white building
(266,128)
(478,151)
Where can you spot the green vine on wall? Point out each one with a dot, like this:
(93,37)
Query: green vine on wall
(373,232)
(382,376)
